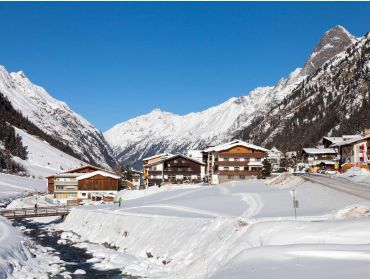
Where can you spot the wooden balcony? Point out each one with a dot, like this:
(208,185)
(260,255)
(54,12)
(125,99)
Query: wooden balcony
(242,155)
(182,172)
(154,172)
(179,164)
(231,163)
(240,172)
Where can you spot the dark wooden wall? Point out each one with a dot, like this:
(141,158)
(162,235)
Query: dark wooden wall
(98,183)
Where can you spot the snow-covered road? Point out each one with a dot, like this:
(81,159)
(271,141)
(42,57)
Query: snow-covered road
(342,184)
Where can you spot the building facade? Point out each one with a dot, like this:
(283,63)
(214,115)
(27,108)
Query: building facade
(82,184)
(320,158)
(149,160)
(236,160)
(176,169)
(355,151)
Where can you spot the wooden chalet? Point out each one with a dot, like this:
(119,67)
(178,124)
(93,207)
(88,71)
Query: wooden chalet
(236,160)
(150,160)
(320,158)
(82,183)
(175,169)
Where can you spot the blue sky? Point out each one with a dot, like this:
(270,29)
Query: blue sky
(114,61)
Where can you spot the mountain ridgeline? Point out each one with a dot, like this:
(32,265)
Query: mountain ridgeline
(334,100)
(328,96)
(54,121)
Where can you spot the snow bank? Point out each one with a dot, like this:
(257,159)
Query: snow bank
(18,257)
(287,249)
(356,174)
(198,232)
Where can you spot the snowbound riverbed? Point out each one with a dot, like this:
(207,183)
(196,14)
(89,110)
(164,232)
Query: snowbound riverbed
(231,230)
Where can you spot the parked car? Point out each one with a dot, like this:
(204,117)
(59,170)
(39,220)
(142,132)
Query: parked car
(331,172)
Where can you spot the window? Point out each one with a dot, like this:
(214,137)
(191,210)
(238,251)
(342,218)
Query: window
(183,161)
(242,177)
(179,169)
(175,161)
(83,194)
(237,159)
(236,168)
(226,168)
(226,159)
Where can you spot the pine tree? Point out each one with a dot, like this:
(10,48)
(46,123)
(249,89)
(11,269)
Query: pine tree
(266,169)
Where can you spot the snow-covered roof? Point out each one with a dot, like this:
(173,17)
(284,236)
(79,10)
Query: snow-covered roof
(350,141)
(159,155)
(174,156)
(66,175)
(232,144)
(317,151)
(99,172)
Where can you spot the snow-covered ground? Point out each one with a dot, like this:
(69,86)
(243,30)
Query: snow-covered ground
(12,186)
(235,229)
(43,159)
(357,175)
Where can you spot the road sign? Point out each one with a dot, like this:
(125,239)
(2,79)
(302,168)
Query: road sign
(295,203)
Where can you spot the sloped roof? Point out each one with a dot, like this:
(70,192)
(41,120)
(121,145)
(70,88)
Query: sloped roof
(99,172)
(159,155)
(350,141)
(174,156)
(318,151)
(234,143)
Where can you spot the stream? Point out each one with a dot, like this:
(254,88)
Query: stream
(74,258)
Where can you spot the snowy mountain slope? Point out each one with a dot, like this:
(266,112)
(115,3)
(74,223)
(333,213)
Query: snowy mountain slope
(334,100)
(160,131)
(43,159)
(55,117)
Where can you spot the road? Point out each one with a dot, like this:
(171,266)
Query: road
(358,189)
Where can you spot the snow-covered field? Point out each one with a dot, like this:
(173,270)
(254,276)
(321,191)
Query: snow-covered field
(12,186)
(239,230)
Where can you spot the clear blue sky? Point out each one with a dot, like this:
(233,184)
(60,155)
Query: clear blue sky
(114,61)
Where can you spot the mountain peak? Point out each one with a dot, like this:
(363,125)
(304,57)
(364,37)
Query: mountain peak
(334,41)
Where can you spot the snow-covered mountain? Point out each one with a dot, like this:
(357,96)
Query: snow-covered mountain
(160,131)
(334,100)
(55,118)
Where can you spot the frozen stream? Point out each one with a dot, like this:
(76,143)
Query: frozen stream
(73,258)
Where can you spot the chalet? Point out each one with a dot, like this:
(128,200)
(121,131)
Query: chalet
(327,142)
(236,160)
(320,158)
(83,183)
(150,160)
(175,169)
(136,180)
(355,151)
(275,156)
